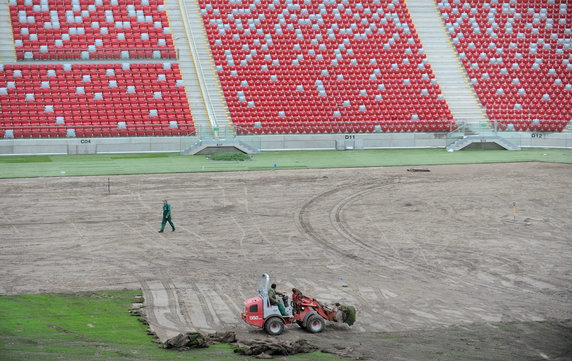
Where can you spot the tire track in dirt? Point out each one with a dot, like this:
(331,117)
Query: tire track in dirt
(342,228)
(175,299)
(165,308)
(511,263)
(306,227)
(173,311)
(209,314)
(161,308)
(167,313)
(176,313)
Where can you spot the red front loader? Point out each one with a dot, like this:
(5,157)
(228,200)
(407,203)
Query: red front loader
(307,312)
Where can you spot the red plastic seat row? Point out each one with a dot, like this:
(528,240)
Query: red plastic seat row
(89,132)
(83,99)
(345,127)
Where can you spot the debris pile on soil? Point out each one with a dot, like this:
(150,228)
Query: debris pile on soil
(268,349)
(264,349)
(138,310)
(221,337)
(186,341)
(192,340)
(418,170)
(137,307)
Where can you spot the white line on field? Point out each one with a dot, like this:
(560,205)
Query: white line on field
(243,234)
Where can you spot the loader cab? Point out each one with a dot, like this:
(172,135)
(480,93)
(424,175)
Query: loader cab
(263,286)
(258,309)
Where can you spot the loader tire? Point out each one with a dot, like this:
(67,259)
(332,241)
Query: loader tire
(274,326)
(315,324)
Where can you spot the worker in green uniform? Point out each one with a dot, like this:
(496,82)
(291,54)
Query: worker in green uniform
(275,298)
(166,216)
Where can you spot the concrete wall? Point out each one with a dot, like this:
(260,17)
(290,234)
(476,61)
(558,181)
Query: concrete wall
(350,141)
(94,145)
(265,143)
(539,140)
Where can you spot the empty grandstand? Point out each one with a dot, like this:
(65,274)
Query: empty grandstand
(325,67)
(517,55)
(284,74)
(49,29)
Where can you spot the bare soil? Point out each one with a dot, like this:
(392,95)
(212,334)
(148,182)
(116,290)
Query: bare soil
(436,263)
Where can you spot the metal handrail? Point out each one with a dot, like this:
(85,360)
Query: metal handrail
(231,131)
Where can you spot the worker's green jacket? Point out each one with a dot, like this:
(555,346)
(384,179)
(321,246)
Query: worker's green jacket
(272,296)
(166,211)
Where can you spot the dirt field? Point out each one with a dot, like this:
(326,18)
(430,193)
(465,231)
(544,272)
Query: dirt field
(434,255)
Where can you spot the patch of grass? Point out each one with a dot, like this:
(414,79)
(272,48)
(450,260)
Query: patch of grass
(89,326)
(230,156)
(104,164)
(26,159)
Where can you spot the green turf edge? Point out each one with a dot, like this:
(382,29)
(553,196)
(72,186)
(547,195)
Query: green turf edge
(91,326)
(114,164)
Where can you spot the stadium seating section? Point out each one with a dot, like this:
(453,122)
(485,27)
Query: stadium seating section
(518,57)
(86,100)
(99,29)
(323,67)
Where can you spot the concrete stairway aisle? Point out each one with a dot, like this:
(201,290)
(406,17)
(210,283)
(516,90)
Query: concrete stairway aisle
(7,51)
(443,59)
(205,63)
(188,72)
(205,97)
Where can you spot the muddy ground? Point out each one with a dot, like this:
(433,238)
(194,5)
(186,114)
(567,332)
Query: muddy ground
(435,262)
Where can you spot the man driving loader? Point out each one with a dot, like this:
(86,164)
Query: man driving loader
(276,301)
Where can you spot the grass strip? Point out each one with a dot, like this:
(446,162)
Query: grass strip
(103,164)
(90,326)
